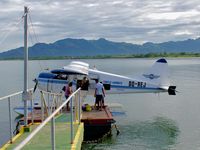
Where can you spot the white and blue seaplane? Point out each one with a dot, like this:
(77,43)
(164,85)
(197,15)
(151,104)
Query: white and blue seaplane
(154,80)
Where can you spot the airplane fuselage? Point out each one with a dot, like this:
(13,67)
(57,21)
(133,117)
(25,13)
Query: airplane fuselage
(113,84)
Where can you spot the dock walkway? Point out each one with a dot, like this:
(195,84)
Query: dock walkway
(69,128)
(62,132)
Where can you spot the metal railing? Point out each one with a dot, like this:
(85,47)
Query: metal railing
(73,98)
(50,102)
(9,98)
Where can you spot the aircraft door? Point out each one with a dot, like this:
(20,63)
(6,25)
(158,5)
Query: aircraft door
(78,84)
(49,86)
(84,84)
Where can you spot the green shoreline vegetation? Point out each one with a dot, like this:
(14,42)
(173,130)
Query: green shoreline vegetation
(149,55)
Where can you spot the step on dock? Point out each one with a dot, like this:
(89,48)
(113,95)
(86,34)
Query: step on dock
(37,116)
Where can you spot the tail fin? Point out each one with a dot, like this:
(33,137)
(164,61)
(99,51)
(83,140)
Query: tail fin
(172,90)
(158,74)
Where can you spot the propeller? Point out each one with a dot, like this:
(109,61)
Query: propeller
(36,84)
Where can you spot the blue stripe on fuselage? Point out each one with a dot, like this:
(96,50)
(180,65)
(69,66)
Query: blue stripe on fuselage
(53,81)
(139,88)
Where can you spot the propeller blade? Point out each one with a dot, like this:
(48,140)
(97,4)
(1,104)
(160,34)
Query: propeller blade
(36,83)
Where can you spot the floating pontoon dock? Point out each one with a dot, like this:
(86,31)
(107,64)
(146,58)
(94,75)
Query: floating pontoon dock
(96,123)
(60,129)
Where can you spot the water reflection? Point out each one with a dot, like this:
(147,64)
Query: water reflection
(160,133)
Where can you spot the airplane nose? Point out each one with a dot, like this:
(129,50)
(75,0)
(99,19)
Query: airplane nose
(35,80)
(36,83)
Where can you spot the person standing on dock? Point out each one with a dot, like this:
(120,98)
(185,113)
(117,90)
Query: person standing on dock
(68,92)
(99,94)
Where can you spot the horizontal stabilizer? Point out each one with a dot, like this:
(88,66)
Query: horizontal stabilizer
(172,90)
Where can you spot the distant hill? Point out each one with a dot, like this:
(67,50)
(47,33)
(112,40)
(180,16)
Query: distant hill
(82,47)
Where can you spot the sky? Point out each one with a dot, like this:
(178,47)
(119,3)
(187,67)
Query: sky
(133,21)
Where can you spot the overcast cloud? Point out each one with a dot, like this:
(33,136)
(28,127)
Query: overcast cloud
(133,21)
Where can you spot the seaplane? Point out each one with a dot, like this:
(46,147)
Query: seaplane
(153,80)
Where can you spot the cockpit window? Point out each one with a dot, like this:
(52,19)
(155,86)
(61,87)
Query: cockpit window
(47,75)
(61,76)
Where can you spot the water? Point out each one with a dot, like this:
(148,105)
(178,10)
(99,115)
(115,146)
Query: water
(152,121)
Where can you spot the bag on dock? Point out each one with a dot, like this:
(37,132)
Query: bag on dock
(86,107)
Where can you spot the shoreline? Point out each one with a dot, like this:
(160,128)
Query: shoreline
(149,55)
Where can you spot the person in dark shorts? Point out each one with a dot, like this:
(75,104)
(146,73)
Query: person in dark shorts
(99,94)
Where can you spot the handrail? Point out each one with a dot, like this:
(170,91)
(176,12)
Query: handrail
(11,95)
(23,143)
(58,94)
(8,98)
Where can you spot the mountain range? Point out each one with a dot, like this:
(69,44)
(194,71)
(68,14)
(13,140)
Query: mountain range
(82,47)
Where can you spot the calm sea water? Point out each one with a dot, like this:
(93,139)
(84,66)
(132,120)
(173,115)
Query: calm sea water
(152,121)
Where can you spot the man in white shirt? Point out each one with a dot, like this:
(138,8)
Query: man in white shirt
(99,94)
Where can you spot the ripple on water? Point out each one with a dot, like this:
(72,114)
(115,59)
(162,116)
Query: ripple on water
(159,133)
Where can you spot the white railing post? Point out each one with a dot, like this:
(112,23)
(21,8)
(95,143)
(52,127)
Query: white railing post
(71,118)
(79,106)
(48,104)
(10,119)
(75,108)
(60,102)
(32,116)
(42,107)
(53,143)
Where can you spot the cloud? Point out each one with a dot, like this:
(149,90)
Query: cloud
(173,15)
(119,20)
(183,32)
